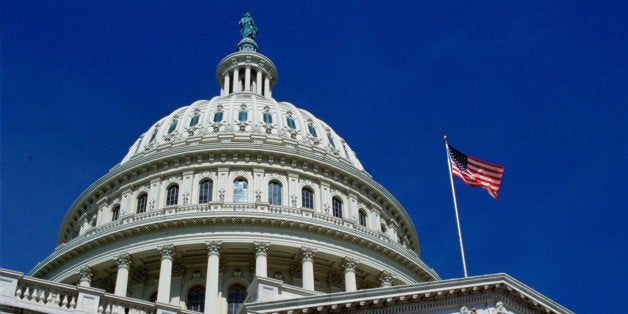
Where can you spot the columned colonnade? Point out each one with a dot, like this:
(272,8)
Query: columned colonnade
(212,285)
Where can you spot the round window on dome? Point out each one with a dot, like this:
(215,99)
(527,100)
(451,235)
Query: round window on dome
(194,120)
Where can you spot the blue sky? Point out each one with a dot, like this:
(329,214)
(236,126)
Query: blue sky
(536,86)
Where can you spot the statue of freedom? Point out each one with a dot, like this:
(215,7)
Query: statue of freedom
(247,26)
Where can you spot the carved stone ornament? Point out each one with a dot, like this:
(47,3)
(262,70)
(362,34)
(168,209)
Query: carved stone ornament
(499,308)
(166,251)
(333,279)
(307,254)
(213,247)
(349,264)
(464,310)
(385,278)
(295,271)
(293,198)
(261,247)
(221,195)
(237,273)
(186,198)
(178,269)
(139,275)
(123,260)
(85,273)
(258,196)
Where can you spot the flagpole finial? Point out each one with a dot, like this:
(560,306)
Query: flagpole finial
(445,138)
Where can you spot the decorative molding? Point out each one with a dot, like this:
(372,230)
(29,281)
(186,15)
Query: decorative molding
(307,254)
(213,247)
(385,278)
(123,260)
(261,248)
(349,264)
(167,251)
(85,273)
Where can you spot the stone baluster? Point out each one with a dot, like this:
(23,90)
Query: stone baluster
(165,273)
(261,256)
(349,264)
(211,287)
(307,260)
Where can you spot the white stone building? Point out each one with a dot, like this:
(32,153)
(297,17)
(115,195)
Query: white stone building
(242,203)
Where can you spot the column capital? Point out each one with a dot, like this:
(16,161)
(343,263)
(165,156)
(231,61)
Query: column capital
(385,278)
(123,260)
(167,251)
(307,253)
(85,273)
(261,247)
(349,264)
(213,247)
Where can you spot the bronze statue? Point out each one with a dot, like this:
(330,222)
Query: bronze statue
(247,26)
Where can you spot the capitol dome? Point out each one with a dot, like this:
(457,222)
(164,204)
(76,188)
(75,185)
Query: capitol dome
(225,190)
(244,204)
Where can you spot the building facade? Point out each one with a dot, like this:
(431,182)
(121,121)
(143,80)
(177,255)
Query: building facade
(243,203)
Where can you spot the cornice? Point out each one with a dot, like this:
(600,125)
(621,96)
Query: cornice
(235,214)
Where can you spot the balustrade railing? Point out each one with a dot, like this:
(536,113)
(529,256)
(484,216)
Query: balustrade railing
(46,294)
(28,294)
(222,208)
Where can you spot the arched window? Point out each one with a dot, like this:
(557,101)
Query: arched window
(362,217)
(239,190)
(336,205)
(235,296)
(331,140)
(196,299)
(218,116)
(205,191)
(312,130)
(291,123)
(152,137)
(115,213)
(141,203)
(268,118)
(172,195)
(243,116)
(274,193)
(173,126)
(307,198)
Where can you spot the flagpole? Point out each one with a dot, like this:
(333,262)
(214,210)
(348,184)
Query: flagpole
(453,193)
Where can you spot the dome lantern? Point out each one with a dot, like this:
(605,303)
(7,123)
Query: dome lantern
(246,70)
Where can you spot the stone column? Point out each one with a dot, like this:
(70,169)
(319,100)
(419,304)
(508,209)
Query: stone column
(236,83)
(267,87)
(85,275)
(122,280)
(165,273)
(349,264)
(211,284)
(226,85)
(385,279)
(307,259)
(247,79)
(258,82)
(261,255)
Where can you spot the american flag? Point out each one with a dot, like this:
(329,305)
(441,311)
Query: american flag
(475,172)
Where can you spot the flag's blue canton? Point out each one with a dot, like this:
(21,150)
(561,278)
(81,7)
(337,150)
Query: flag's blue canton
(461,160)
